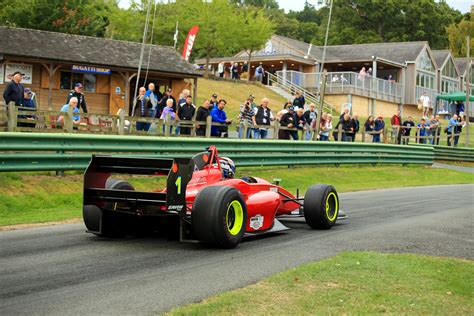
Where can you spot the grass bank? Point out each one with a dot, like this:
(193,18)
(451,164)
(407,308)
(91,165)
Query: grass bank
(354,283)
(40,198)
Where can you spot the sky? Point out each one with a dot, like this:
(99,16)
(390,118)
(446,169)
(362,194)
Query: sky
(297,5)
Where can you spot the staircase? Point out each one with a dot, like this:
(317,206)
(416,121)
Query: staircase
(286,89)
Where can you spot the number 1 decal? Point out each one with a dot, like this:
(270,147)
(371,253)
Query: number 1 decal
(178,184)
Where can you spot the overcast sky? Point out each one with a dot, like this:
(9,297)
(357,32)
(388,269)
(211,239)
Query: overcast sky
(297,5)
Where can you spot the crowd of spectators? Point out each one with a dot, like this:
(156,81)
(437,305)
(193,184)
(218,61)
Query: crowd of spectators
(296,120)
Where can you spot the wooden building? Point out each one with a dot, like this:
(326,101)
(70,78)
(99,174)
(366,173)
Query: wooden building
(53,62)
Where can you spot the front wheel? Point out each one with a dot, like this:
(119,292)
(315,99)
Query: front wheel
(219,216)
(321,206)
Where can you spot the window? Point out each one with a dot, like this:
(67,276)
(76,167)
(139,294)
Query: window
(425,80)
(424,62)
(449,70)
(69,79)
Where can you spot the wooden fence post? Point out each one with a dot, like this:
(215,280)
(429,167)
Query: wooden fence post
(121,122)
(208,126)
(12,117)
(339,133)
(363,135)
(167,124)
(276,127)
(246,127)
(69,124)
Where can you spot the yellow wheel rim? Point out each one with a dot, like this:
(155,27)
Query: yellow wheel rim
(332,206)
(234,217)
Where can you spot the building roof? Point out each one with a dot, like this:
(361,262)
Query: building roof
(461,63)
(440,56)
(90,50)
(399,52)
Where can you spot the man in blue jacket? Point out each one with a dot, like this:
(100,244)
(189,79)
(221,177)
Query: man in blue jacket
(219,116)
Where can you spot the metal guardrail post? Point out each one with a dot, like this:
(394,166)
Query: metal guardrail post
(208,126)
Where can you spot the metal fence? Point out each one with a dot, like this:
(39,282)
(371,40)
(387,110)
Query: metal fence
(348,82)
(46,151)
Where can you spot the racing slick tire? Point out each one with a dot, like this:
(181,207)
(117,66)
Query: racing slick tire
(111,224)
(219,216)
(321,206)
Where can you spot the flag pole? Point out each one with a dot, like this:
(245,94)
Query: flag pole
(176,35)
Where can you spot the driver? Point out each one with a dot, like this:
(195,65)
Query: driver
(227,167)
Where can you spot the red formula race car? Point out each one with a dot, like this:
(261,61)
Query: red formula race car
(201,194)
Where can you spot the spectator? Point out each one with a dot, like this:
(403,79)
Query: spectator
(246,114)
(422,131)
(219,116)
(425,103)
(234,70)
(369,73)
(406,129)
(154,99)
(164,101)
(181,102)
(213,102)
(76,119)
(254,105)
(201,116)
(396,122)
(221,69)
(259,72)
(14,90)
(284,110)
(245,67)
(263,116)
(186,113)
(362,74)
(300,123)
(355,125)
(432,129)
(142,109)
(29,104)
(325,127)
(310,117)
(458,129)
(347,129)
(436,130)
(369,126)
(453,122)
(379,126)
(77,93)
(287,120)
(299,101)
(344,112)
(460,109)
(168,109)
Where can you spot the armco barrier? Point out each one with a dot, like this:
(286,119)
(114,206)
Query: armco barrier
(453,153)
(44,151)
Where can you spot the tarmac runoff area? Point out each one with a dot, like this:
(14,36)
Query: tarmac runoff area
(62,270)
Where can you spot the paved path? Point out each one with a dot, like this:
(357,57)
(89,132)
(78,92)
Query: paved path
(62,270)
(454,167)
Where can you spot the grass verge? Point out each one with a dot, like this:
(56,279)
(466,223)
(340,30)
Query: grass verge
(40,198)
(354,283)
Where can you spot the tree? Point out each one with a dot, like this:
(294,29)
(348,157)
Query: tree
(84,17)
(457,34)
(255,30)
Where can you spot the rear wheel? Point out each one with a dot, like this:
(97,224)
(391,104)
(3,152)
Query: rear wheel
(113,224)
(321,206)
(219,216)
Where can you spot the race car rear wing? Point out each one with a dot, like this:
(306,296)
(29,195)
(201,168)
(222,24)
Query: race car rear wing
(99,192)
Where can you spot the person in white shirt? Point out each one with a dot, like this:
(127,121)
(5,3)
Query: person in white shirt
(220,69)
(425,102)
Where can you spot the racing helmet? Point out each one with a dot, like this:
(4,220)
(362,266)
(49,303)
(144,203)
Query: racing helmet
(227,167)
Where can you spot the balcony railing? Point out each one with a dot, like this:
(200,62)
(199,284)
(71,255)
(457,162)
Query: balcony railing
(348,82)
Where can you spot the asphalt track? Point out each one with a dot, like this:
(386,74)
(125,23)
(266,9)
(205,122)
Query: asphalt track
(63,270)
